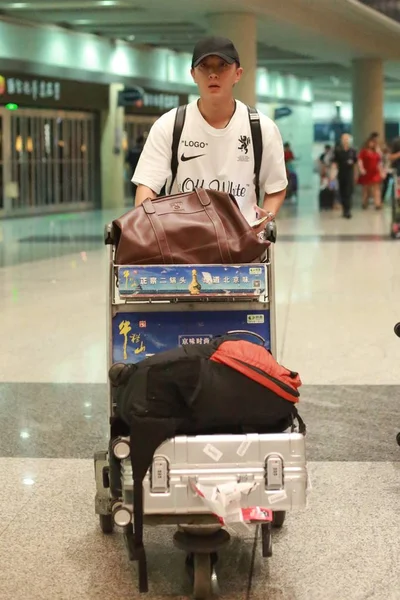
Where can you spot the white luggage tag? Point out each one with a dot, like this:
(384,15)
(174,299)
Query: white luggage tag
(276,497)
(226,502)
(243,448)
(213,452)
(260,221)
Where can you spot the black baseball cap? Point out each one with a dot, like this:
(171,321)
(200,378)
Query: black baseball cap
(215,46)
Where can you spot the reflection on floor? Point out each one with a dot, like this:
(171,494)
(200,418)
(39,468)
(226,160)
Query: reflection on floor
(337,290)
(346,423)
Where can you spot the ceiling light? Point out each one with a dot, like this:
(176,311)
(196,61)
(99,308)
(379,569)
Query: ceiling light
(82,22)
(107,3)
(28,481)
(18,5)
(131,38)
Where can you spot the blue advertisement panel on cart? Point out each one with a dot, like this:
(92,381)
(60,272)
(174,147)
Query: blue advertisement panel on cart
(192,280)
(139,335)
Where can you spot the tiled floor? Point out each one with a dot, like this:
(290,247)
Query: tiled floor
(337,295)
(345,545)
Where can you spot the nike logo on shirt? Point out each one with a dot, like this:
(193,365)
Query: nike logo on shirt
(186,158)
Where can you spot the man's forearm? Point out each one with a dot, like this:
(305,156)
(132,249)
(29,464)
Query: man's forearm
(273,202)
(142,193)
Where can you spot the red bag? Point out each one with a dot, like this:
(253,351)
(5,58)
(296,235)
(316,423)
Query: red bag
(257,363)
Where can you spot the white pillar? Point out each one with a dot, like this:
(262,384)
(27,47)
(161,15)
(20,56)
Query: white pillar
(241,28)
(112,154)
(368,92)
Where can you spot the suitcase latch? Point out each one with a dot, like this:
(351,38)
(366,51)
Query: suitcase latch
(159,476)
(274,472)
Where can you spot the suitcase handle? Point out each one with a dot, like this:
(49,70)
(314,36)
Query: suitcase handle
(245,332)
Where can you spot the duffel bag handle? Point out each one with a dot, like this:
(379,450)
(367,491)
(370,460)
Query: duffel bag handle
(159,231)
(215,219)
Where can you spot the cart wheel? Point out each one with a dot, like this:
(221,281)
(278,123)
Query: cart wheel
(266,540)
(106,523)
(398,438)
(202,588)
(189,562)
(279,518)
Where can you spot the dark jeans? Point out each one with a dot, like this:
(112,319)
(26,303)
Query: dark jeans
(346,188)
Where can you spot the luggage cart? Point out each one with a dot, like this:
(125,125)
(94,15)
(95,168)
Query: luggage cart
(156,308)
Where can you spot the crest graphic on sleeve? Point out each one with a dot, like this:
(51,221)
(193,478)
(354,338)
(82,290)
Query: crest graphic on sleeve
(244,142)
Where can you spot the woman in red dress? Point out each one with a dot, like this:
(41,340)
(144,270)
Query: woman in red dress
(370,166)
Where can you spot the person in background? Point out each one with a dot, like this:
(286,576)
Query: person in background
(325,162)
(328,175)
(370,167)
(344,161)
(394,156)
(393,171)
(289,156)
(386,170)
(377,139)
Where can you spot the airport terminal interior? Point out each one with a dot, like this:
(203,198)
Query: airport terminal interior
(65,133)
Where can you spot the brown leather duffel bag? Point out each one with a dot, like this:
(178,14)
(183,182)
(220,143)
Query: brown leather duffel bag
(200,227)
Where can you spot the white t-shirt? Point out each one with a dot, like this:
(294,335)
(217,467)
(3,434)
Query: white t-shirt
(216,159)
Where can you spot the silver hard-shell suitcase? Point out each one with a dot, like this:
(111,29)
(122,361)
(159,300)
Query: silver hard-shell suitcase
(275,463)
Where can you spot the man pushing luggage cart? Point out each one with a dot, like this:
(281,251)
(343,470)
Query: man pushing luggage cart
(197,479)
